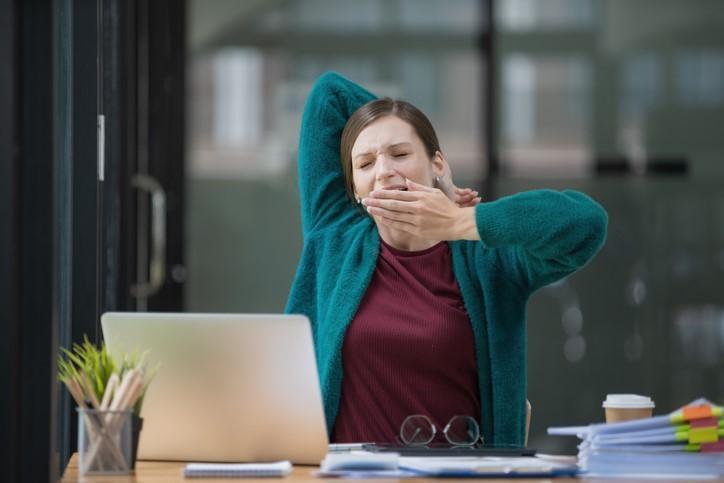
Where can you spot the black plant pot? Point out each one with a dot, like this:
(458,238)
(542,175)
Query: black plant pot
(136,426)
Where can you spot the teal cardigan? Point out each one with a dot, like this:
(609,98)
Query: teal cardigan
(527,241)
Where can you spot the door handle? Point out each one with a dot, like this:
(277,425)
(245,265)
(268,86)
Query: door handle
(157,263)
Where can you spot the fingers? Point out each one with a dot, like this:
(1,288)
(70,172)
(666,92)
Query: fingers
(465,191)
(399,220)
(390,205)
(470,203)
(391,215)
(411,185)
(464,200)
(466,197)
(412,193)
(395,195)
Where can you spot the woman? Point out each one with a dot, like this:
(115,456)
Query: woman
(418,306)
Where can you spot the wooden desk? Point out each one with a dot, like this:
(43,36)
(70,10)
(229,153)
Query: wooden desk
(165,471)
(172,471)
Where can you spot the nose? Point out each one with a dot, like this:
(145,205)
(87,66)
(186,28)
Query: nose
(384,168)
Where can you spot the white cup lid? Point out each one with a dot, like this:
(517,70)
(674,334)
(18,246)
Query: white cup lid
(627,401)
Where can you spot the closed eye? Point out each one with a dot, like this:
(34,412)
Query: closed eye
(399,155)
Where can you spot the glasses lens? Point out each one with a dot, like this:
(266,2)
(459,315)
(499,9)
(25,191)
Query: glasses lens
(462,431)
(417,430)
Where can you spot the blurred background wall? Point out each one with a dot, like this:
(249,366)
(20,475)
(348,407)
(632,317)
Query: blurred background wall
(622,99)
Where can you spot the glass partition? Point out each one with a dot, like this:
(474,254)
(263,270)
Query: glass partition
(251,65)
(620,99)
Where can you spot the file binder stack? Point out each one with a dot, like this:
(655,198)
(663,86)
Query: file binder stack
(688,442)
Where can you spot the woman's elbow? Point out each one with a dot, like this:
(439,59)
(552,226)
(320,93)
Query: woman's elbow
(593,227)
(326,85)
(598,225)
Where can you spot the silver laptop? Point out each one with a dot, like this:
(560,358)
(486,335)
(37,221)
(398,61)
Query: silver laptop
(228,387)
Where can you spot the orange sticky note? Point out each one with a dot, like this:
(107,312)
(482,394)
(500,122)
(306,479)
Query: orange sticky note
(697,412)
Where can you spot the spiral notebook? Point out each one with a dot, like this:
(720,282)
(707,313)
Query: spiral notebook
(237,470)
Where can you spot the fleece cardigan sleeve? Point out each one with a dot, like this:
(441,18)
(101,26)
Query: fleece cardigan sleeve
(543,235)
(331,102)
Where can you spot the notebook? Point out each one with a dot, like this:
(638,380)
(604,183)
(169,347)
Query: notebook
(237,470)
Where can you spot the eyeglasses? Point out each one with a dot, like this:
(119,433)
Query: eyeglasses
(419,430)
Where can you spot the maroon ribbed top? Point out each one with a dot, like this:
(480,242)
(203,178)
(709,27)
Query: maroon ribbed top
(408,350)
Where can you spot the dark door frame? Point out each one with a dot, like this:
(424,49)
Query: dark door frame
(67,239)
(29,275)
(161,129)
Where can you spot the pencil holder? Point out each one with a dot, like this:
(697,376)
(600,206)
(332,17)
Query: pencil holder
(136,427)
(105,442)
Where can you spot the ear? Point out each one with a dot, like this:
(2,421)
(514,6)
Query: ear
(439,164)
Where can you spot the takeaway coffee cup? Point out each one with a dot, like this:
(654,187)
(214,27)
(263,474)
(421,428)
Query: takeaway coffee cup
(624,407)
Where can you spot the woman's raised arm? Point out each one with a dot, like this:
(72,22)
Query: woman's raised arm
(545,234)
(329,105)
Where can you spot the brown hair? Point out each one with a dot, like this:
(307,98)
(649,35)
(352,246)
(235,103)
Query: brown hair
(374,110)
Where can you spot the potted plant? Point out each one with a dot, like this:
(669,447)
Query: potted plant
(107,392)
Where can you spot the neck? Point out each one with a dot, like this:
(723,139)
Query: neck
(402,240)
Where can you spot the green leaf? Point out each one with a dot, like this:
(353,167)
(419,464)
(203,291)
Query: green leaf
(88,361)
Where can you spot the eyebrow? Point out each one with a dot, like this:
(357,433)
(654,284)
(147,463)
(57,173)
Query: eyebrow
(391,146)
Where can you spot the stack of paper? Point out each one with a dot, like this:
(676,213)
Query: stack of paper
(366,465)
(490,466)
(689,442)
